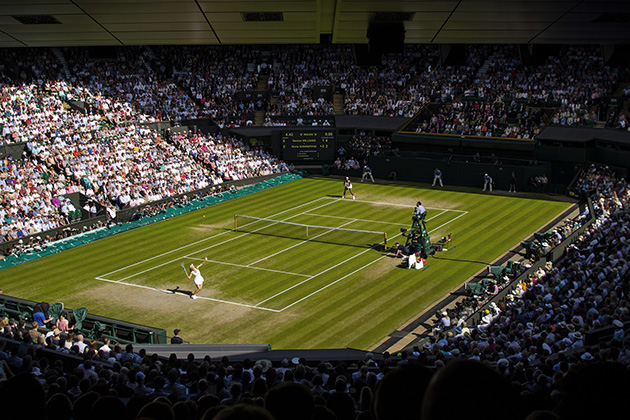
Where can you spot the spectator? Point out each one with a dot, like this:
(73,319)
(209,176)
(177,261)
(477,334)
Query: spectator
(176,339)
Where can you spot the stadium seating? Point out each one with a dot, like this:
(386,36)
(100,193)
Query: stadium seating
(542,331)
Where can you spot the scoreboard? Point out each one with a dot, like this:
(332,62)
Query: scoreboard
(316,145)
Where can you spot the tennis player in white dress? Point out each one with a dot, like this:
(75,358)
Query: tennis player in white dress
(347,186)
(194,271)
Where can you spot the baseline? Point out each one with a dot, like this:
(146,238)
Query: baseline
(392,204)
(198,297)
(350,218)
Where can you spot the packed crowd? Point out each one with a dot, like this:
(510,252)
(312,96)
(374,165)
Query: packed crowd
(492,93)
(26,65)
(31,112)
(538,335)
(117,167)
(572,82)
(32,199)
(213,76)
(129,79)
(297,70)
(489,286)
(397,87)
(355,153)
(484,120)
(229,158)
(103,151)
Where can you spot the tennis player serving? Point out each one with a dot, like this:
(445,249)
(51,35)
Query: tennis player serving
(194,271)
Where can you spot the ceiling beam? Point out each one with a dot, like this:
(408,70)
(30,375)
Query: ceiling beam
(446,20)
(207,20)
(555,21)
(97,22)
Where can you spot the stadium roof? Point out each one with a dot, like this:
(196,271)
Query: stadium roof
(150,22)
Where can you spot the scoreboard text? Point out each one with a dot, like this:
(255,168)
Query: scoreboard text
(308,145)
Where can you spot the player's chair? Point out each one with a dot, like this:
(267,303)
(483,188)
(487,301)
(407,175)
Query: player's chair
(79,316)
(539,236)
(514,268)
(530,248)
(498,271)
(55,310)
(474,289)
(97,330)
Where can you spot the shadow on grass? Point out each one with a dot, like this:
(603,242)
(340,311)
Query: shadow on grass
(180,292)
(462,260)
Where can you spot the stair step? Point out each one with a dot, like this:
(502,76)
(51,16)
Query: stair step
(64,64)
(262,82)
(259,120)
(338,103)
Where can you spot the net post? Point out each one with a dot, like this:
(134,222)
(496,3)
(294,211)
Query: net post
(236,222)
(385,239)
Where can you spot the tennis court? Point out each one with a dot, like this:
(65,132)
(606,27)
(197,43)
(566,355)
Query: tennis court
(272,286)
(292,255)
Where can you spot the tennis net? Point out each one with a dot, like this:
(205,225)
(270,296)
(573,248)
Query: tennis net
(313,233)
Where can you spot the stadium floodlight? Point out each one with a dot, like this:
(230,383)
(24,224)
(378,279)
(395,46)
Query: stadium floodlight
(328,234)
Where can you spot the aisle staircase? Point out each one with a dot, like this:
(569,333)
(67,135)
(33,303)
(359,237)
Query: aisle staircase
(625,109)
(64,64)
(485,66)
(338,99)
(263,80)
(152,57)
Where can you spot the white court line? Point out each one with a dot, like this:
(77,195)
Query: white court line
(206,248)
(330,284)
(391,204)
(203,240)
(198,297)
(350,218)
(253,268)
(296,245)
(343,262)
(316,275)
(201,297)
(336,265)
(308,279)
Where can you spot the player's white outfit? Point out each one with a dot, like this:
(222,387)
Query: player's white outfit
(414,262)
(198,277)
(347,187)
(487,182)
(437,176)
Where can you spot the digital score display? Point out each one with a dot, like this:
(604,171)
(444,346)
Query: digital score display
(300,145)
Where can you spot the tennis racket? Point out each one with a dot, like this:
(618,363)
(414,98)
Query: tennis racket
(184,267)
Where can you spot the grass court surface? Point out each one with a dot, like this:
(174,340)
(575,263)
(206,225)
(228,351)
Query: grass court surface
(272,284)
